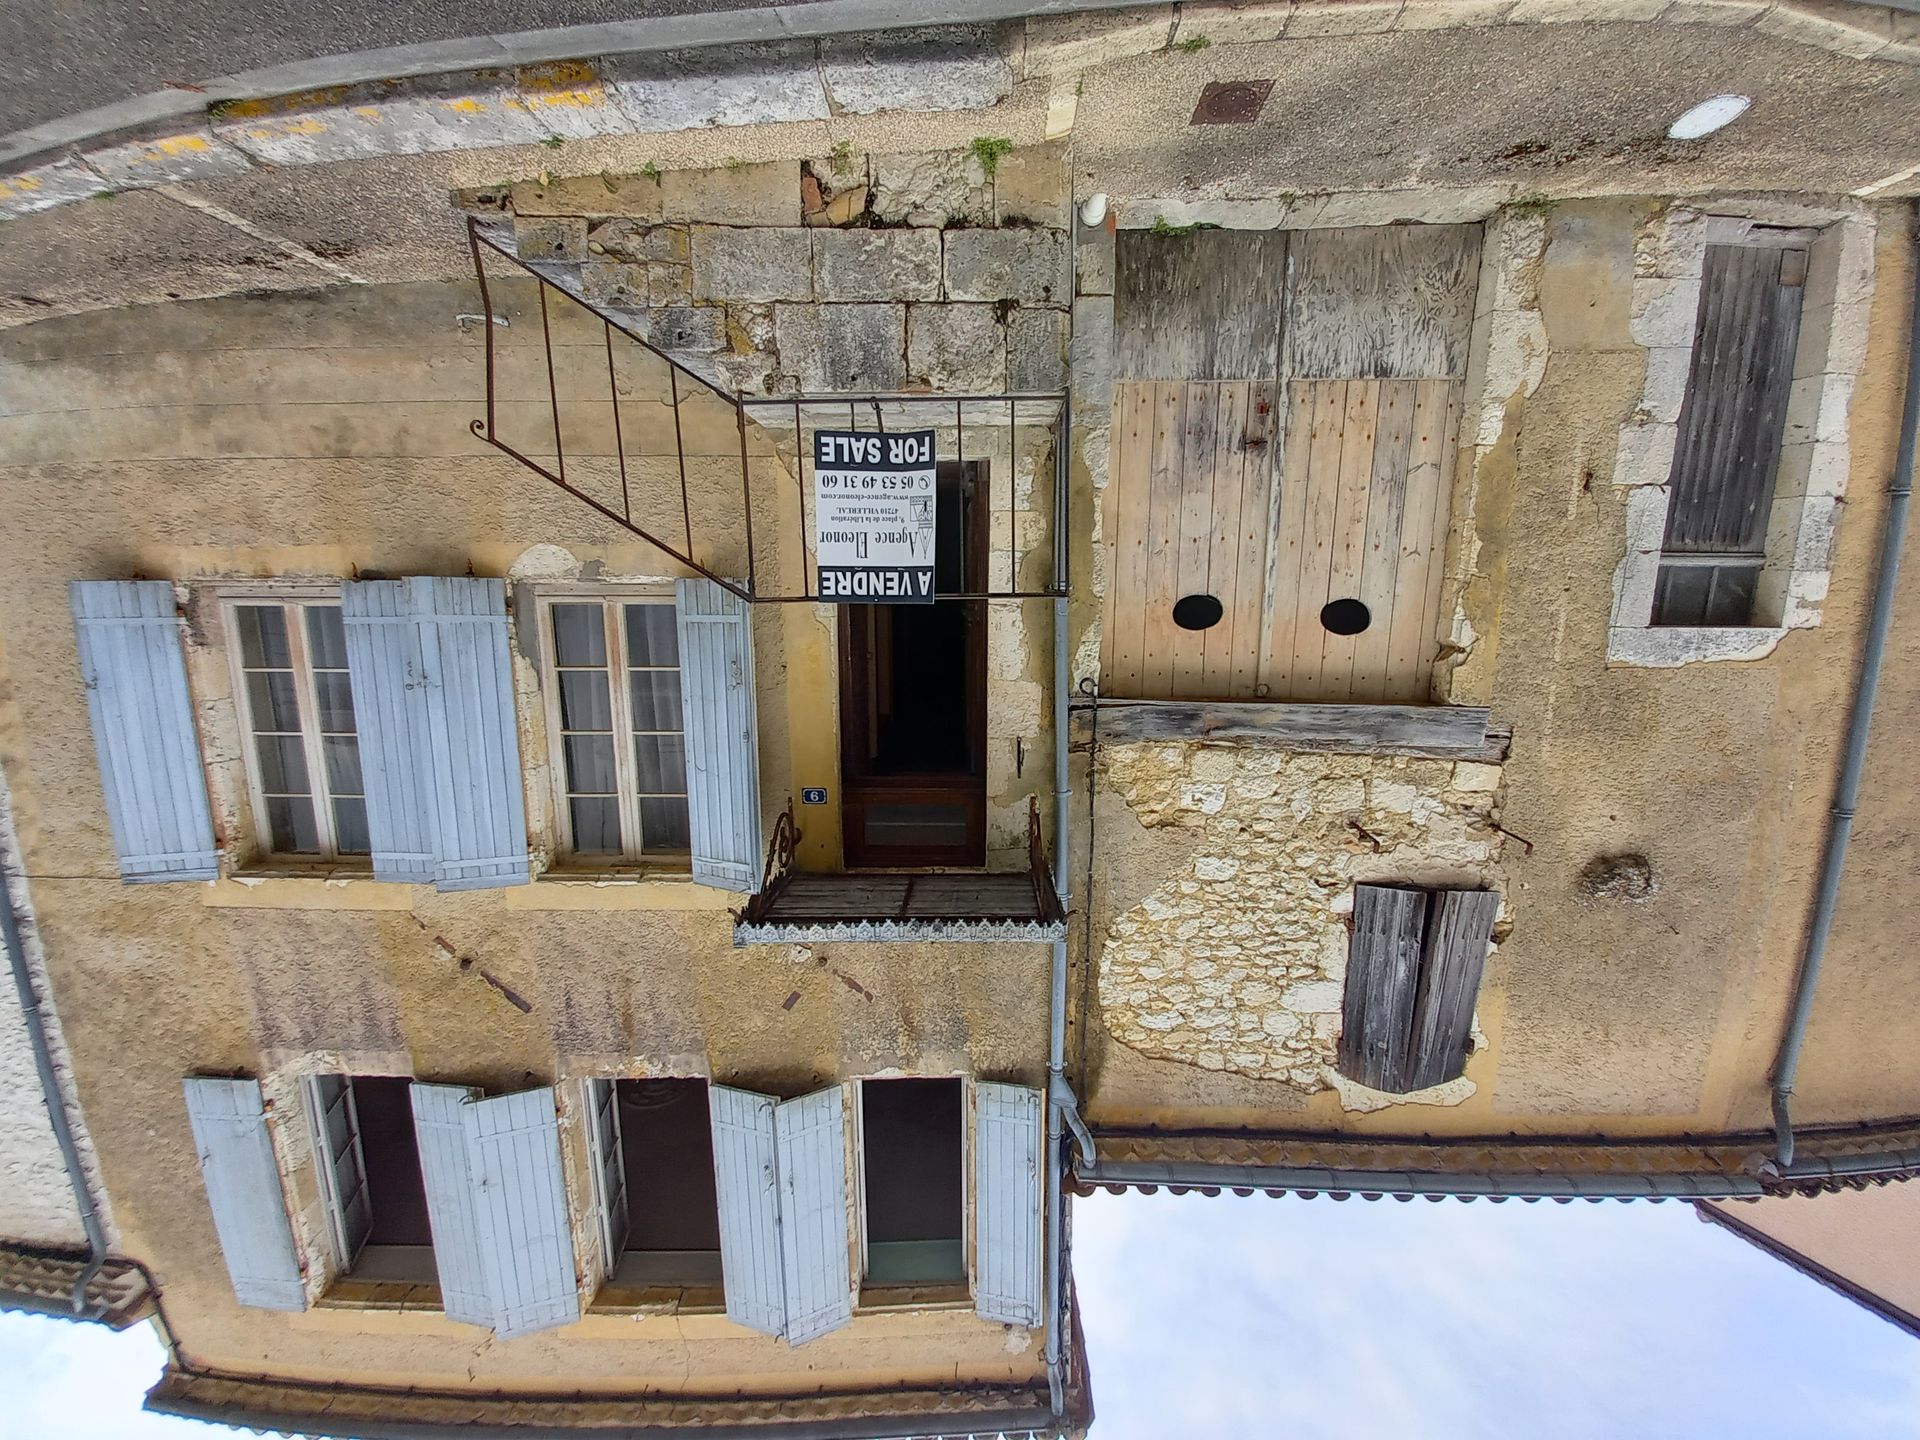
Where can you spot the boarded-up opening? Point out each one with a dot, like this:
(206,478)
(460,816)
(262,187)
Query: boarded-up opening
(1286,415)
(1413,970)
(913,1186)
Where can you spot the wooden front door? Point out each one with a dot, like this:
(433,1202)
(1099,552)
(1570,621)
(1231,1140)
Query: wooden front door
(913,703)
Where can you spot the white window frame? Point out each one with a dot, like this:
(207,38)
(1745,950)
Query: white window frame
(613,602)
(344,1256)
(296,600)
(862,1285)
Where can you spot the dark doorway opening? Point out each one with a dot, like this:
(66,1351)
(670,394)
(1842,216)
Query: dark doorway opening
(666,1159)
(913,1182)
(399,1241)
(913,703)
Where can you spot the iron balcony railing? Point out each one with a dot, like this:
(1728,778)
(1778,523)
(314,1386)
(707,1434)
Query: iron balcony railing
(715,539)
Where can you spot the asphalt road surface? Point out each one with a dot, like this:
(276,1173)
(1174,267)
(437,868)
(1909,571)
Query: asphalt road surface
(62,56)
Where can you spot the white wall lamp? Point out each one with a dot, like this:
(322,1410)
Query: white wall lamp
(1708,116)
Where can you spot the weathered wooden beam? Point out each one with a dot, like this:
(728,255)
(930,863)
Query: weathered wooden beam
(1441,732)
(1454,952)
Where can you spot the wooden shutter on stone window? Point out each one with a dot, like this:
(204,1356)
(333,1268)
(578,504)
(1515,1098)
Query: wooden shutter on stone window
(520,1210)
(722,735)
(1007,1151)
(1413,971)
(390,708)
(244,1192)
(135,675)
(440,1129)
(609,1170)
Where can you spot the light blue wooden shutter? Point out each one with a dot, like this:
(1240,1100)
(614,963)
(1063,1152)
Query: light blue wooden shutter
(1007,1151)
(243,1190)
(136,680)
(746,1181)
(440,1128)
(481,830)
(722,735)
(390,709)
(811,1136)
(520,1206)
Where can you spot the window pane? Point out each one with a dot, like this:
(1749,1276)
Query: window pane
(596,825)
(1732,600)
(350,826)
(335,691)
(660,763)
(585,703)
(283,764)
(579,635)
(263,637)
(589,764)
(343,765)
(663,824)
(651,638)
(290,827)
(270,700)
(656,699)
(326,638)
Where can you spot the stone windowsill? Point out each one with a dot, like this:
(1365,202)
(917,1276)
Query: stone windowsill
(1669,646)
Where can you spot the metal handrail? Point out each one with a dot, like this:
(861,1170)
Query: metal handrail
(748,590)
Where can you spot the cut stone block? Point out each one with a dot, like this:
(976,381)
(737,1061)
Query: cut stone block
(164,156)
(934,189)
(634,195)
(957,348)
(958,67)
(1037,350)
(773,264)
(877,264)
(555,238)
(1029,265)
(853,348)
(765,194)
(1032,185)
(732,85)
(633,240)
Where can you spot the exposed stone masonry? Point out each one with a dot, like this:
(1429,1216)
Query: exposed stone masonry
(1238,961)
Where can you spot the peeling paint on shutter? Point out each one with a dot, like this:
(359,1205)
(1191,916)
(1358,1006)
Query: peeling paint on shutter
(520,1211)
(390,709)
(1459,931)
(136,682)
(722,739)
(811,1141)
(439,1126)
(1007,1151)
(481,826)
(243,1191)
(747,1186)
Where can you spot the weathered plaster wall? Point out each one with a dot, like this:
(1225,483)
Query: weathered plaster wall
(1602,1013)
(308,437)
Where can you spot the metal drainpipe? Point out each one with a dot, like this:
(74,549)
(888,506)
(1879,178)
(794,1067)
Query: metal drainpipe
(50,1087)
(1057,1004)
(1847,790)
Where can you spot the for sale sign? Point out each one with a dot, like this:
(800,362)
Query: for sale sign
(873,516)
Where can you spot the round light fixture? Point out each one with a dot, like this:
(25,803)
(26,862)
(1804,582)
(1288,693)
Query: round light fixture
(1708,116)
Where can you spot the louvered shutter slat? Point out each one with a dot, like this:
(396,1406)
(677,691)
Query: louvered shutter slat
(135,674)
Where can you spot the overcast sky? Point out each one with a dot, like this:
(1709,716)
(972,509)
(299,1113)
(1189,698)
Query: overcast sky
(1225,1317)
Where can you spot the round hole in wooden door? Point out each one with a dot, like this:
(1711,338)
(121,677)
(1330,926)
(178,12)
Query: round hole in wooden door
(1345,617)
(1197,612)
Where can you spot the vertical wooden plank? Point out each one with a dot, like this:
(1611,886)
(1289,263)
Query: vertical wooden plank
(746,1182)
(1197,462)
(1348,545)
(1318,535)
(1224,581)
(1383,969)
(1452,957)
(1409,646)
(810,1137)
(721,721)
(244,1193)
(446,1171)
(1446,457)
(1127,569)
(1257,445)
(1201,306)
(1287,547)
(1007,1148)
(390,709)
(1380,559)
(1163,540)
(520,1211)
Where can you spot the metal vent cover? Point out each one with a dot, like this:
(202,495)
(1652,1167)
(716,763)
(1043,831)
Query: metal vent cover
(1231,102)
